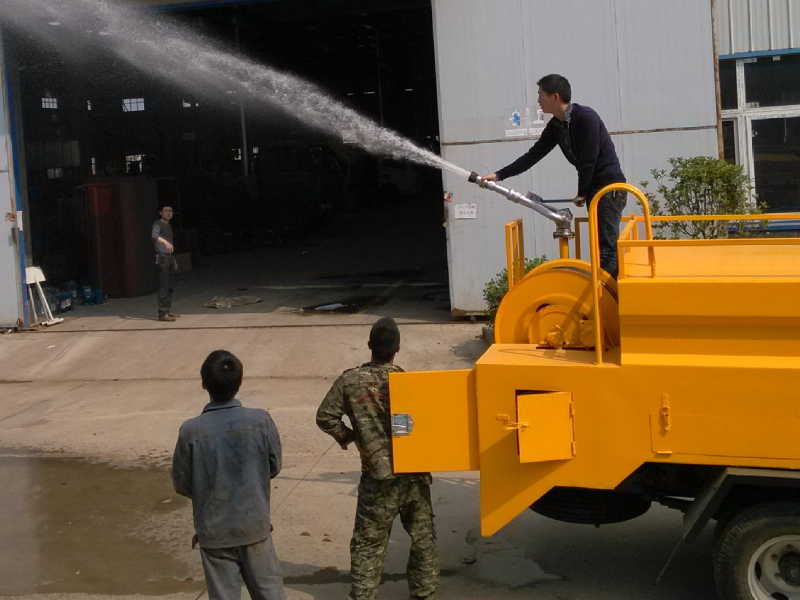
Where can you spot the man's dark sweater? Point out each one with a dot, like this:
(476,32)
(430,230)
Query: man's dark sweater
(585,142)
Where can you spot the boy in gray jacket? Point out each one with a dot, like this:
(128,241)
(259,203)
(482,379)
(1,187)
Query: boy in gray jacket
(223,461)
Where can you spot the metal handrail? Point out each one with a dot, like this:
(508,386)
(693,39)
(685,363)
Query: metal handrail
(594,244)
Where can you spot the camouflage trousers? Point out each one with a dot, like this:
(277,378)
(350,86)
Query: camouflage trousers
(379,502)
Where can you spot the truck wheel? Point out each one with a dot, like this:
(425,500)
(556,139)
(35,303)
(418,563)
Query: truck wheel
(757,555)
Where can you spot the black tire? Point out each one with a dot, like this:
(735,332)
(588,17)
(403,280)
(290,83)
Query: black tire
(742,537)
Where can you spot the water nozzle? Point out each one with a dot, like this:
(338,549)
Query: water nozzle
(562,218)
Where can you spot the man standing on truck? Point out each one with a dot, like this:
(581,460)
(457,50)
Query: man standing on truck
(582,136)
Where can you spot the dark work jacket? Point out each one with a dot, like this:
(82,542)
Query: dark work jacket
(223,461)
(585,143)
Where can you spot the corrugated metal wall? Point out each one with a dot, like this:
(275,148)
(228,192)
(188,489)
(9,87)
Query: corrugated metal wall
(757,25)
(646,66)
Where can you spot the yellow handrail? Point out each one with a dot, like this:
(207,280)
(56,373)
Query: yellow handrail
(594,244)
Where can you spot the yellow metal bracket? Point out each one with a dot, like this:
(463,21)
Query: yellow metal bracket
(515,253)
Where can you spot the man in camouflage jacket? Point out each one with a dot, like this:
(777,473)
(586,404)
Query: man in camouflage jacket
(362,394)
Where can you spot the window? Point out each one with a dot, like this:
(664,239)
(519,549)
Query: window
(55,173)
(89,105)
(49,103)
(772,81)
(189,104)
(776,162)
(729,141)
(93,165)
(132,104)
(727,83)
(761,125)
(237,153)
(134,163)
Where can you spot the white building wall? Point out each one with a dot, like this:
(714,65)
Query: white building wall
(10,287)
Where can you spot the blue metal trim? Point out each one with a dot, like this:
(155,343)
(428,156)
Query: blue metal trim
(14,135)
(759,53)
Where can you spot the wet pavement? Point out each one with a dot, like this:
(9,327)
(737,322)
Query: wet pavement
(72,526)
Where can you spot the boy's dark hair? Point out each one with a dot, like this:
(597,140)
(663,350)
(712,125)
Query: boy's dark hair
(384,339)
(222,375)
(556,84)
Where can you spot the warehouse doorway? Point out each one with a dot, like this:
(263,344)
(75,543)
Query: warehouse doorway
(264,204)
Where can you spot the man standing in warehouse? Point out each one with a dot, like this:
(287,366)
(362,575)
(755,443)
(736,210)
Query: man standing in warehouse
(582,136)
(363,395)
(163,241)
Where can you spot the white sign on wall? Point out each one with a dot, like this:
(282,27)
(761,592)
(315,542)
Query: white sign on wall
(466,211)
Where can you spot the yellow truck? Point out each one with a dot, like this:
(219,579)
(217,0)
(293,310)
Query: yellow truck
(677,383)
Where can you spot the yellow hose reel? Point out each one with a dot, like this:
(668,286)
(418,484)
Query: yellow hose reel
(551,307)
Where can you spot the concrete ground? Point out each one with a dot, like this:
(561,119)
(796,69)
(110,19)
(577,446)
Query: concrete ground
(90,411)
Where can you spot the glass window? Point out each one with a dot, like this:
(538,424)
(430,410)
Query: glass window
(132,104)
(49,103)
(729,141)
(134,163)
(776,159)
(772,81)
(727,84)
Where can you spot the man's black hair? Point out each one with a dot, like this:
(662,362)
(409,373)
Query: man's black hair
(161,208)
(222,375)
(384,339)
(556,84)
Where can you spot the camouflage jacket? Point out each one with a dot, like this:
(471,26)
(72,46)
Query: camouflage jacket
(363,395)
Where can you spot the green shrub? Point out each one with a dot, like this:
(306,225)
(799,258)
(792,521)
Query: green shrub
(497,286)
(700,185)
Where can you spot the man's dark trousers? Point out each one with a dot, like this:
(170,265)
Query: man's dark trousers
(609,213)
(165,264)
(256,564)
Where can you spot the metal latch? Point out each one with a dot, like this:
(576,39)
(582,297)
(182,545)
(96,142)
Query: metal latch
(510,424)
(402,424)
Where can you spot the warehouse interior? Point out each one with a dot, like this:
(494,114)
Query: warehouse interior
(259,197)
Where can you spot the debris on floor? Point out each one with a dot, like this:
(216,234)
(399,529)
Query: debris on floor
(231,301)
(347,305)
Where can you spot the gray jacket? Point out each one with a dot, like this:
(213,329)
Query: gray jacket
(223,461)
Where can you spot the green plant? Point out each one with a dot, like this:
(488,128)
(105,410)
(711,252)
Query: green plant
(700,185)
(497,286)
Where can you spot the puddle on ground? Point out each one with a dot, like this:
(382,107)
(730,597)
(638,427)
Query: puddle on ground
(72,526)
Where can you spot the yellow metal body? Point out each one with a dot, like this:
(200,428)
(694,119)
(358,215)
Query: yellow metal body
(694,359)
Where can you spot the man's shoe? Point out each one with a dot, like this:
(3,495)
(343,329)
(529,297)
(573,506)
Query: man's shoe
(166,317)
(175,315)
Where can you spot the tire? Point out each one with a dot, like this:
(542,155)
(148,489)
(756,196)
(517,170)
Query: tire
(757,554)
